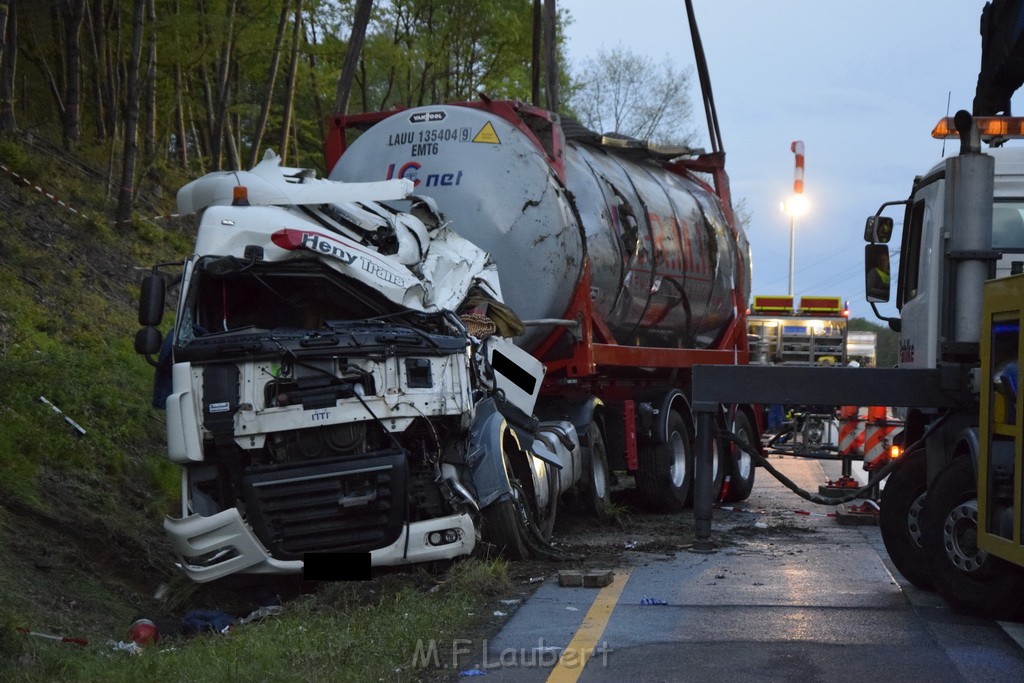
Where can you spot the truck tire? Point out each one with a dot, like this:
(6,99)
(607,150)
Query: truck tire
(507,523)
(505,528)
(664,478)
(740,464)
(719,465)
(969,579)
(595,482)
(900,520)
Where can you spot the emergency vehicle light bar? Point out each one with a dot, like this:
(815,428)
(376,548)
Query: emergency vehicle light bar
(988,127)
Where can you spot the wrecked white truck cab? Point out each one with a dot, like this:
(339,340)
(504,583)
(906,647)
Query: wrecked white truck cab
(323,392)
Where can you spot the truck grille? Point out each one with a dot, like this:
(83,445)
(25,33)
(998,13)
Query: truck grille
(351,505)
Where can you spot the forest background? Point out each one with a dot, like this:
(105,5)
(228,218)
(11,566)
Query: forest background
(147,87)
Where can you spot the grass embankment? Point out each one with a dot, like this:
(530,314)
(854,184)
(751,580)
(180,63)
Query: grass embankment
(81,544)
(392,629)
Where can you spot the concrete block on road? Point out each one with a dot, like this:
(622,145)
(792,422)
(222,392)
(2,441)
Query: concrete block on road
(588,578)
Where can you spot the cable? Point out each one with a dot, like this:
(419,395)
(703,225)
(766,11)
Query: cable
(821,500)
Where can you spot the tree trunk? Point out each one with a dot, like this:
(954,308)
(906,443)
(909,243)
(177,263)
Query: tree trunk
(550,52)
(220,115)
(355,49)
(149,139)
(289,90)
(127,189)
(74,15)
(3,28)
(538,28)
(95,41)
(7,69)
(318,105)
(180,142)
(275,60)
(111,30)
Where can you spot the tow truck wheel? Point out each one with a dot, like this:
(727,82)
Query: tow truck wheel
(595,471)
(900,520)
(741,464)
(968,578)
(665,475)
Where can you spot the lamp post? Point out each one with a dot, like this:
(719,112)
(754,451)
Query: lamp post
(797,205)
(794,206)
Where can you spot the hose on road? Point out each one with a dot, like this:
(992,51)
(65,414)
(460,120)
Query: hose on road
(832,500)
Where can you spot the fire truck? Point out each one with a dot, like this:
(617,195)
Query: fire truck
(811,331)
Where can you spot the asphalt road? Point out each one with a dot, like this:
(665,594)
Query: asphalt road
(787,597)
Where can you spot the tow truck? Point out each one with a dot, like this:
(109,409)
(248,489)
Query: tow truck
(951,508)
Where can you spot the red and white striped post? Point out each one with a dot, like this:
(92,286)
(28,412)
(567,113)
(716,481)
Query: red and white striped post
(797,147)
(798,174)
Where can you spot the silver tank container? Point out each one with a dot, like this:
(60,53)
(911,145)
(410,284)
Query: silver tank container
(663,259)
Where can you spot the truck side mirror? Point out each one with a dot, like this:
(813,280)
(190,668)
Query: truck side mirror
(151,300)
(878,230)
(147,342)
(876,272)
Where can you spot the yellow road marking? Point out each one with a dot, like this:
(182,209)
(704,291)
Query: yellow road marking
(584,642)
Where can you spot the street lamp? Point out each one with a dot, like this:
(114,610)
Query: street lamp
(797,205)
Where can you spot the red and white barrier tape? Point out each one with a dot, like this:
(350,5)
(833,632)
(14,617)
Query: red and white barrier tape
(39,189)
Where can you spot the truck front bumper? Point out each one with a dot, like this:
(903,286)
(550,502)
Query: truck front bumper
(209,548)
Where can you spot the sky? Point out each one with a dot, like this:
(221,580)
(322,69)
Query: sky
(860,83)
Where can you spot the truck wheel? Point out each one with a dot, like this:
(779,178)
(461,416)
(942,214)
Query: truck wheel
(595,471)
(900,520)
(665,475)
(505,526)
(719,466)
(741,464)
(968,578)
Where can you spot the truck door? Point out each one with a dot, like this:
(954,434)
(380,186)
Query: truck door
(920,278)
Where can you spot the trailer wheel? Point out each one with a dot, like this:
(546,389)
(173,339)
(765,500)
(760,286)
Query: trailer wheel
(741,464)
(595,471)
(664,478)
(900,520)
(968,578)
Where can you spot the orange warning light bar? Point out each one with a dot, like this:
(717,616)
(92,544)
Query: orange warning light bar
(895,451)
(773,304)
(988,127)
(821,305)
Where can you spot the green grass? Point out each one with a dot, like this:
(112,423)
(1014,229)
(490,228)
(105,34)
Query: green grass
(344,633)
(91,506)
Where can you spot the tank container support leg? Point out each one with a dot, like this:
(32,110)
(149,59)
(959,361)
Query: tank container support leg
(703,496)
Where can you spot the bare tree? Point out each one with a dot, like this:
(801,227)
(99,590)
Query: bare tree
(352,54)
(127,190)
(275,60)
(621,92)
(219,112)
(7,70)
(73,14)
(289,90)
(3,26)
(149,139)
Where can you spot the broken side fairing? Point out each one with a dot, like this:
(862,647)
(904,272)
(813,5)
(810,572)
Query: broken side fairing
(318,406)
